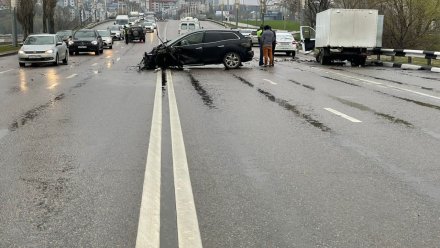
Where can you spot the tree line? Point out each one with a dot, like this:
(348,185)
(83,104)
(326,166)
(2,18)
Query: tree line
(26,13)
(407,23)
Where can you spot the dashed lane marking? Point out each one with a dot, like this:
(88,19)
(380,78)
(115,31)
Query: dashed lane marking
(188,231)
(72,76)
(148,234)
(343,115)
(271,82)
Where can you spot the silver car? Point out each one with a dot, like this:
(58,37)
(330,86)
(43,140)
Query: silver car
(43,48)
(107,39)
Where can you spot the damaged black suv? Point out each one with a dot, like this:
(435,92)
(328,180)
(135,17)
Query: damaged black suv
(204,47)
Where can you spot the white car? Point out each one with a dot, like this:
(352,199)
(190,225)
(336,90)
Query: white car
(106,37)
(286,43)
(43,48)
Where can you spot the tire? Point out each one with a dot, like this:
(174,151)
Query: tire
(232,60)
(21,64)
(56,60)
(66,59)
(135,33)
(97,52)
(110,47)
(323,58)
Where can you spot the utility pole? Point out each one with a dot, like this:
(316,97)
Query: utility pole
(237,5)
(14,22)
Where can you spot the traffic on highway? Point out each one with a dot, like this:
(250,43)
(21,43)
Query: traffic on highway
(173,133)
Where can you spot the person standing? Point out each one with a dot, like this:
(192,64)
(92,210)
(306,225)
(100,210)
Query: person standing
(267,39)
(260,45)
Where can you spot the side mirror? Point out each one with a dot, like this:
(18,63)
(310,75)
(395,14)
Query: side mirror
(59,43)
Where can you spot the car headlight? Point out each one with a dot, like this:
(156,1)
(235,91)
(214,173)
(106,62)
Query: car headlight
(49,51)
(70,42)
(94,42)
(21,52)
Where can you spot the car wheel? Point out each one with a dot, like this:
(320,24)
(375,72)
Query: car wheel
(56,60)
(66,59)
(97,52)
(111,47)
(231,60)
(21,64)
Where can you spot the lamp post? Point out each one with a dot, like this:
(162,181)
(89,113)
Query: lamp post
(14,22)
(237,5)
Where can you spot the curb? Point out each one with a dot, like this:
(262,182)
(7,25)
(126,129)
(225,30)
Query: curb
(8,53)
(409,66)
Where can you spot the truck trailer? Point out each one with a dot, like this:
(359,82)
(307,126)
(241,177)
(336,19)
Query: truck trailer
(346,34)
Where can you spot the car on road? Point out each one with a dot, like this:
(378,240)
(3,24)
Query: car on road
(188,24)
(254,37)
(116,32)
(107,40)
(43,48)
(202,47)
(135,33)
(148,27)
(86,40)
(66,36)
(285,43)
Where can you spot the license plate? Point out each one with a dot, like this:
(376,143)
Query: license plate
(34,56)
(82,46)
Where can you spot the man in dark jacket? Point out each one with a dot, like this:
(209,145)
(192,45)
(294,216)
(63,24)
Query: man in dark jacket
(259,33)
(267,39)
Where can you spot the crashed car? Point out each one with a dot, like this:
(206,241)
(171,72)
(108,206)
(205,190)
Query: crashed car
(203,47)
(135,33)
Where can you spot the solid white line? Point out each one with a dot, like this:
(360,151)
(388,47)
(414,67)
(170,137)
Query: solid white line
(272,82)
(1,72)
(148,234)
(342,115)
(95,64)
(72,76)
(187,224)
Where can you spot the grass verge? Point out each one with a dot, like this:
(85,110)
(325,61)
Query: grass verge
(8,48)
(275,24)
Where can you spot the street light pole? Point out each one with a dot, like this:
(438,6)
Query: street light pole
(237,4)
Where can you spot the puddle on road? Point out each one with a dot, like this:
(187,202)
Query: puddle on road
(362,107)
(206,98)
(294,109)
(33,113)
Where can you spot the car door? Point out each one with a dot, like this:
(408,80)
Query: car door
(216,45)
(189,49)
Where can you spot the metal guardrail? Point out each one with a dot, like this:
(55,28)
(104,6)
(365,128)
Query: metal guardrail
(428,55)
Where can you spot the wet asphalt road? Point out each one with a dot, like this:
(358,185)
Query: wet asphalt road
(298,155)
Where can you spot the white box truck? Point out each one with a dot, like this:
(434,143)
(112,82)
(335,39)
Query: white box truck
(346,34)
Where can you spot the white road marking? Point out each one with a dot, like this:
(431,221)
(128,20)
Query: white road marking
(72,76)
(342,115)
(95,64)
(108,57)
(272,82)
(148,234)
(3,133)
(118,59)
(187,224)
(1,72)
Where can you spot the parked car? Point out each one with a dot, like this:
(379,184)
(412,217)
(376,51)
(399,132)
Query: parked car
(254,38)
(116,32)
(86,40)
(135,33)
(43,48)
(106,37)
(66,36)
(148,27)
(286,43)
(202,47)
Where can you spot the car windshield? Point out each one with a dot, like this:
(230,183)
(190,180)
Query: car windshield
(40,40)
(85,34)
(104,33)
(284,37)
(148,24)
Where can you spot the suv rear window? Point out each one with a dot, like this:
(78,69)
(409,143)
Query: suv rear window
(219,36)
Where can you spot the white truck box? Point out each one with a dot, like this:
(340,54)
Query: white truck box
(349,28)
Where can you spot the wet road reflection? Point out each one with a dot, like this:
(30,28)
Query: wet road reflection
(23,80)
(52,79)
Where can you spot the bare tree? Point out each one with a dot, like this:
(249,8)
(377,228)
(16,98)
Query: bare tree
(313,7)
(50,10)
(25,15)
